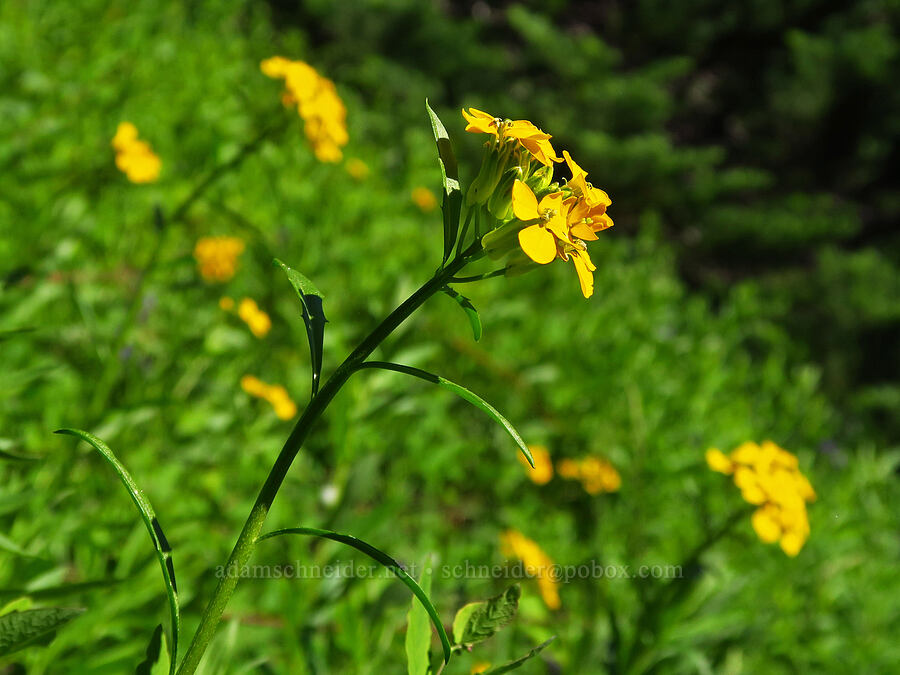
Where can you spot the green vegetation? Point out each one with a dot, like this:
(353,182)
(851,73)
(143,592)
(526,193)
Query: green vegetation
(749,290)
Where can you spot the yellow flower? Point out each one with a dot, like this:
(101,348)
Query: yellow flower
(536,563)
(424,199)
(538,240)
(770,478)
(480,667)
(543,465)
(318,103)
(596,475)
(357,168)
(134,158)
(527,135)
(217,257)
(256,319)
(276,395)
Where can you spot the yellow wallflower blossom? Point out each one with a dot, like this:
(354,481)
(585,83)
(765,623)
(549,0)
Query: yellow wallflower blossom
(257,320)
(424,199)
(543,465)
(217,257)
(770,478)
(536,563)
(275,394)
(357,168)
(524,133)
(539,240)
(596,475)
(134,157)
(318,103)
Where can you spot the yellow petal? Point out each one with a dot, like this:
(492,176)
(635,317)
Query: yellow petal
(766,525)
(576,170)
(718,461)
(792,542)
(539,244)
(525,204)
(585,275)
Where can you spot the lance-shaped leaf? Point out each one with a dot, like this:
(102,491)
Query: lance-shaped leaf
(513,665)
(148,515)
(22,629)
(478,621)
(313,317)
(469,309)
(384,559)
(463,393)
(156,658)
(418,630)
(452,203)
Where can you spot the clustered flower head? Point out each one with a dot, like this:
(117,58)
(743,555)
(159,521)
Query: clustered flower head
(249,312)
(217,257)
(317,101)
(770,478)
(275,394)
(596,475)
(134,157)
(536,563)
(548,220)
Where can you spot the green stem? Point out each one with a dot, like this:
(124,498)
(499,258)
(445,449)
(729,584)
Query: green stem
(243,548)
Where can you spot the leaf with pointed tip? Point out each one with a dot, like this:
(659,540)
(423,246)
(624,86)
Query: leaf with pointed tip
(22,629)
(468,308)
(463,393)
(156,658)
(477,621)
(452,203)
(163,550)
(513,665)
(313,316)
(384,559)
(418,629)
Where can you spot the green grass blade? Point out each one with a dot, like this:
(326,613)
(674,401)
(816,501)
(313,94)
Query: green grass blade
(384,559)
(513,665)
(452,204)
(163,550)
(463,393)
(313,316)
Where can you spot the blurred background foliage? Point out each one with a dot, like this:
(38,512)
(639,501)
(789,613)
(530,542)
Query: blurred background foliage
(750,290)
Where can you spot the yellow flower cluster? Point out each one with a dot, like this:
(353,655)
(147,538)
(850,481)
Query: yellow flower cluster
(275,394)
(424,199)
(542,472)
(551,221)
(317,101)
(596,475)
(134,158)
(770,478)
(256,319)
(537,564)
(217,257)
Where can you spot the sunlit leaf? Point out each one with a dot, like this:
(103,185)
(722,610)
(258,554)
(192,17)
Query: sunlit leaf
(384,559)
(156,658)
(313,316)
(163,550)
(452,203)
(463,393)
(418,629)
(477,621)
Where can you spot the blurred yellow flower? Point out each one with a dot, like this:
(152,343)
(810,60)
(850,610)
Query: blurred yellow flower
(536,563)
(134,157)
(424,199)
(480,667)
(543,465)
(357,168)
(318,103)
(596,475)
(769,477)
(275,394)
(217,257)
(257,320)
(226,303)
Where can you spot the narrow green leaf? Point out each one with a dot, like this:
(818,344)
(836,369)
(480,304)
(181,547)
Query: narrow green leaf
(163,550)
(7,333)
(468,308)
(513,665)
(477,621)
(313,316)
(460,391)
(452,203)
(418,629)
(13,457)
(56,592)
(22,629)
(384,559)
(156,658)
